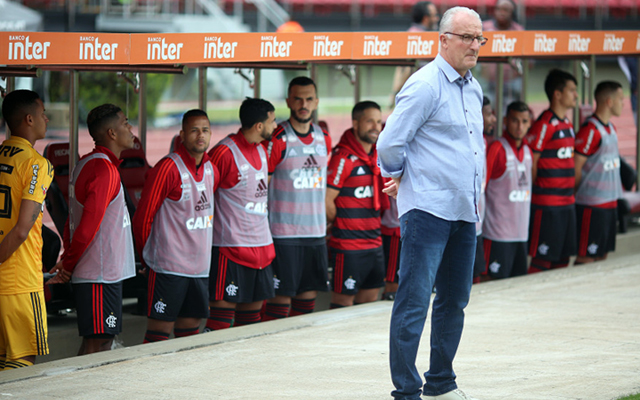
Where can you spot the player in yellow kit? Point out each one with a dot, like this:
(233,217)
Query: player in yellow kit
(25,177)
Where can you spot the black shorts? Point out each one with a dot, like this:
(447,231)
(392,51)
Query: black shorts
(236,283)
(99,308)
(172,296)
(597,228)
(479,265)
(505,259)
(391,246)
(552,232)
(356,269)
(300,268)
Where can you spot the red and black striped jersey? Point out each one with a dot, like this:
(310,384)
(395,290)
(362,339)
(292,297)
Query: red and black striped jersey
(357,222)
(553,138)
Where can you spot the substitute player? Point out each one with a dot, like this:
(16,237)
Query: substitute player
(173,229)
(489,121)
(552,229)
(98,242)
(353,208)
(25,177)
(298,154)
(241,276)
(598,176)
(508,197)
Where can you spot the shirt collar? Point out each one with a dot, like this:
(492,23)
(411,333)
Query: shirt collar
(451,74)
(189,161)
(21,139)
(242,141)
(109,153)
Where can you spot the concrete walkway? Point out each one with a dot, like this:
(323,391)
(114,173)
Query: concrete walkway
(568,334)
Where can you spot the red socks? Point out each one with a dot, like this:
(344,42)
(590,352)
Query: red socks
(302,306)
(219,318)
(247,317)
(275,311)
(153,336)
(186,332)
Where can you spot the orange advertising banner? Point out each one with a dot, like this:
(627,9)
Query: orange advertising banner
(202,48)
(47,48)
(547,43)
(394,45)
(561,43)
(616,42)
(502,44)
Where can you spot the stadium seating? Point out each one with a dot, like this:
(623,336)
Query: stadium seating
(133,169)
(57,200)
(323,124)
(175,142)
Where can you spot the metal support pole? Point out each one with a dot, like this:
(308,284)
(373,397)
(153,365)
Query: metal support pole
(142,111)
(525,79)
(262,22)
(313,74)
(237,10)
(202,88)
(257,75)
(637,129)
(592,80)
(499,99)
(72,15)
(356,85)
(73,118)
(355,15)
(10,87)
(577,72)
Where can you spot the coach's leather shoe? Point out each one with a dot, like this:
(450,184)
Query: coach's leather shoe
(389,296)
(452,395)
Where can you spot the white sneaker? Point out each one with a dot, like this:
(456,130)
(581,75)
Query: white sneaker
(452,395)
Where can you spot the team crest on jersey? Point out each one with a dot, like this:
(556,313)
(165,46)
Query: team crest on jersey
(321,150)
(543,249)
(232,290)
(111,321)
(350,283)
(593,248)
(160,306)
(494,267)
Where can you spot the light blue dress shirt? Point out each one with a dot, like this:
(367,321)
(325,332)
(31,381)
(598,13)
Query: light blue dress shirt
(433,140)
